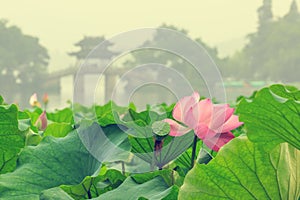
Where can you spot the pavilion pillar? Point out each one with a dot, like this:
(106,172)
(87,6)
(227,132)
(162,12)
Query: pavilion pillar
(110,82)
(79,91)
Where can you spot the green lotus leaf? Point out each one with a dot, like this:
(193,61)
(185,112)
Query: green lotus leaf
(130,190)
(55,161)
(272,116)
(12,140)
(243,170)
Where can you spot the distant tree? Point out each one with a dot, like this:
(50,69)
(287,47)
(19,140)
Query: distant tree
(283,62)
(293,14)
(168,59)
(236,66)
(273,52)
(23,63)
(265,14)
(88,44)
(160,56)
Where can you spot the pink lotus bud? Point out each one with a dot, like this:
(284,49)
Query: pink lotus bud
(41,122)
(45,99)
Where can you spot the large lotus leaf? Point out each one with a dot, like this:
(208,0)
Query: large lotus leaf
(55,161)
(184,160)
(130,190)
(147,116)
(172,147)
(106,113)
(272,116)
(141,138)
(11,138)
(65,115)
(58,129)
(107,144)
(83,112)
(1,100)
(55,194)
(33,115)
(94,186)
(285,91)
(170,176)
(244,170)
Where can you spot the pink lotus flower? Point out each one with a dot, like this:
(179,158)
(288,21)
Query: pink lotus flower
(41,122)
(211,123)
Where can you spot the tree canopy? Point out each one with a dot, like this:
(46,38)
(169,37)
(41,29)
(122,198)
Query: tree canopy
(273,52)
(23,61)
(89,44)
(168,59)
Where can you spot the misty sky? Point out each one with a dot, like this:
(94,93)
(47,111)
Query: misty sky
(60,24)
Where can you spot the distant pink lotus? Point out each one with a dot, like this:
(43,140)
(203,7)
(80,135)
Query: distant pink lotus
(33,101)
(45,99)
(212,123)
(42,122)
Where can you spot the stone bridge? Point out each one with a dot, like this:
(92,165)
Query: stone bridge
(80,80)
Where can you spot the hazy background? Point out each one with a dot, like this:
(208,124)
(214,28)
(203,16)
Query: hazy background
(222,25)
(60,24)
